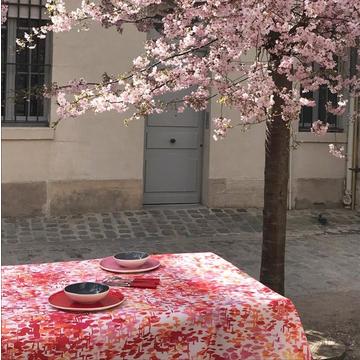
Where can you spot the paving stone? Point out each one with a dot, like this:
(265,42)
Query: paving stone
(139,234)
(12,241)
(196,216)
(66,232)
(179,227)
(110,234)
(98,236)
(124,231)
(183,233)
(204,211)
(24,233)
(167,232)
(192,211)
(69,238)
(229,211)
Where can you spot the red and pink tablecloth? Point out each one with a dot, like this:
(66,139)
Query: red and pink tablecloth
(205,308)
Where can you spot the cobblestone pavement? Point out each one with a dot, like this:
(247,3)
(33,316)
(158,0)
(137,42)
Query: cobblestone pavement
(322,260)
(234,234)
(165,223)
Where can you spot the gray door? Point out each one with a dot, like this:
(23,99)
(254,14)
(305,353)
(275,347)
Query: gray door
(173,153)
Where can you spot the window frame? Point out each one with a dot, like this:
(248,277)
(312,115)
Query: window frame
(338,127)
(9,118)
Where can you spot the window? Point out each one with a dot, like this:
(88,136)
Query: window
(24,71)
(310,114)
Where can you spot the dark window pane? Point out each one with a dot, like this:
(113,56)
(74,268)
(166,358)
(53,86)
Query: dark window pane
(27,73)
(37,101)
(23,23)
(3,45)
(3,68)
(331,118)
(22,55)
(3,93)
(38,55)
(323,92)
(21,89)
(306,113)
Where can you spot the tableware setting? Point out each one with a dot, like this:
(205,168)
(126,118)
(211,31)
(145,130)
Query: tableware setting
(95,296)
(138,282)
(131,259)
(86,292)
(129,262)
(86,296)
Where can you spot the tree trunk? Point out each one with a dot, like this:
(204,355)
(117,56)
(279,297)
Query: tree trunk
(272,272)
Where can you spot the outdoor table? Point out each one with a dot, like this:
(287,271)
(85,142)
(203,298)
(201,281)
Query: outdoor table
(204,308)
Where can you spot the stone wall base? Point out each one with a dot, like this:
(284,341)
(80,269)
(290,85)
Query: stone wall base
(307,193)
(235,193)
(70,197)
(318,193)
(83,196)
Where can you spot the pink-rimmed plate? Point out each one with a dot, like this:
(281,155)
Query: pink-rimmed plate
(61,301)
(110,264)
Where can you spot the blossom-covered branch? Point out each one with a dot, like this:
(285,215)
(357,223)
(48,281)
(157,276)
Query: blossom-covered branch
(200,43)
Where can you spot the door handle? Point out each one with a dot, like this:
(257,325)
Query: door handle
(173,141)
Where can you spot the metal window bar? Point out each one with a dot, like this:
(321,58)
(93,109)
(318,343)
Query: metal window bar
(26,70)
(308,115)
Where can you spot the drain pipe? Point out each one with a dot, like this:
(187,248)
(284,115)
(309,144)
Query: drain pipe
(352,168)
(348,198)
(355,169)
(290,182)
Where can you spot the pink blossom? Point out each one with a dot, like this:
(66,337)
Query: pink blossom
(141,62)
(319,128)
(339,110)
(4,11)
(221,127)
(224,50)
(307,102)
(337,151)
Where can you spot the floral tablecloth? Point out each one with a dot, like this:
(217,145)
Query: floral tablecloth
(205,308)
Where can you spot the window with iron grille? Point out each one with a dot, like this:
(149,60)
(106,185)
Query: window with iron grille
(24,71)
(308,115)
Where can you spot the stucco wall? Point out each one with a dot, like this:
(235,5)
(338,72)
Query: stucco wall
(95,163)
(236,168)
(318,178)
(92,147)
(236,165)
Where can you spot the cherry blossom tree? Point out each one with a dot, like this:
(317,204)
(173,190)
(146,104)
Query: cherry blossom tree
(201,45)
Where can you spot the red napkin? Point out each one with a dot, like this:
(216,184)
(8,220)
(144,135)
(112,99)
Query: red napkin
(150,283)
(139,282)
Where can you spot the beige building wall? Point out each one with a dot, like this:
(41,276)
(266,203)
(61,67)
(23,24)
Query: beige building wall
(236,169)
(92,163)
(318,178)
(95,163)
(236,165)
